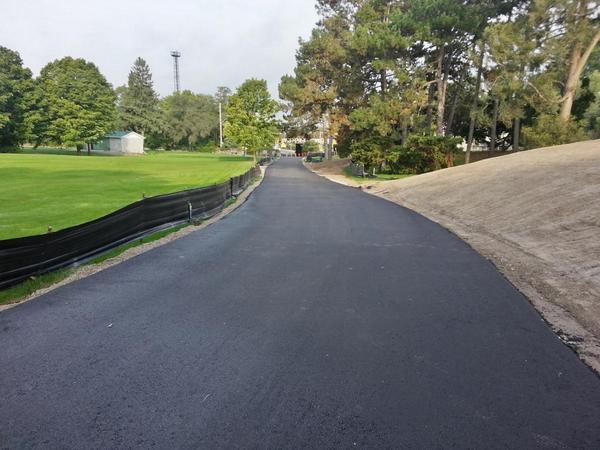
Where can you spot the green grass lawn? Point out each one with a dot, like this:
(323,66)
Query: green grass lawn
(63,189)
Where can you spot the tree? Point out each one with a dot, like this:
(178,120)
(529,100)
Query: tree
(189,118)
(222,95)
(251,122)
(75,104)
(138,103)
(16,86)
(540,56)
(379,70)
(592,115)
(580,35)
(443,29)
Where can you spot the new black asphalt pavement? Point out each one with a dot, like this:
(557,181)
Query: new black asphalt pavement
(314,316)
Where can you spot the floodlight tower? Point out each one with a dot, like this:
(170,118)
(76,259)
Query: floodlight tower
(176,55)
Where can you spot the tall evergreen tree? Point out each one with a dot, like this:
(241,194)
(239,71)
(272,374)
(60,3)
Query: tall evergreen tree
(138,103)
(16,86)
(222,95)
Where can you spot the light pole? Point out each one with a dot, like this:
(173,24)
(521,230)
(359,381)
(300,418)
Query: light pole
(220,126)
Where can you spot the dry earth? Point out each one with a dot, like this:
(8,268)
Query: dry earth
(535,215)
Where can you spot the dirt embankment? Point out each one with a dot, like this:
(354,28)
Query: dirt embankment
(334,170)
(534,214)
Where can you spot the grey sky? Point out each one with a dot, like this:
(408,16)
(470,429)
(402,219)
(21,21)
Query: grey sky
(222,42)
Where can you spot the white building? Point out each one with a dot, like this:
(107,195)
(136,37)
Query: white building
(128,142)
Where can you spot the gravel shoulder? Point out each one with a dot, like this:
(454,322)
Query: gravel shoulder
(535,215)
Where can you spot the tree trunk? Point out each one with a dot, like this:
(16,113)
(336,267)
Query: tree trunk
(516,134)
(577,62)
(89,149)
(474,105)
(442,85)
(383,76)
(452,113)
(404,136)
(494,126)
(429,112)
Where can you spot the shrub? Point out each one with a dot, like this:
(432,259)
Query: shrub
(407,161)
(549,130)
(369,153)
(423,154)
(311,146)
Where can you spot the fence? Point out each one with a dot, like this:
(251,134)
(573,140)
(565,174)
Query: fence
(357,169)
(24,257)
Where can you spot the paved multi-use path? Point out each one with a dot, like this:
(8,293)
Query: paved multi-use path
(315,316)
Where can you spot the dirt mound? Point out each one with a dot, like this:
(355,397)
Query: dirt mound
(334,170)
(536,215)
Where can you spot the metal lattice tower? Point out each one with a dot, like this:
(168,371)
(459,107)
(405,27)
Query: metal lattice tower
(176,55)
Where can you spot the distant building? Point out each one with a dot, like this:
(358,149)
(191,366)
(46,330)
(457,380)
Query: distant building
(317,137)
(128,142)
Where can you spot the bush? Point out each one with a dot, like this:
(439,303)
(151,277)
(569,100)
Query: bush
(549,130)
(311,146)
(423,154)
(206,147)
(369,153)
(406,160)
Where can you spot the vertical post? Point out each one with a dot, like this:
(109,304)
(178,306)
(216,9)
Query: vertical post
(220,126)
(474,105)
(176,55)
(494,127)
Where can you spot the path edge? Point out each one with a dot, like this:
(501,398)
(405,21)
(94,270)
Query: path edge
(88,270)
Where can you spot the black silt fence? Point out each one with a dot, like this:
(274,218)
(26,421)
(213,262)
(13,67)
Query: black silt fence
(24,257)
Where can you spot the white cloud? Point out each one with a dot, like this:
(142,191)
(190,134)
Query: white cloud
(222,43)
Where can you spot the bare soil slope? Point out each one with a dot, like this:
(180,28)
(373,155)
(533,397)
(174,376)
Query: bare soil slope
(334,170)
(536,215)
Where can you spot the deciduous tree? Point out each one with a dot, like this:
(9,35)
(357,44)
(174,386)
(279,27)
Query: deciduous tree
(16,86)
(189,118)
(75,104)
(251,122)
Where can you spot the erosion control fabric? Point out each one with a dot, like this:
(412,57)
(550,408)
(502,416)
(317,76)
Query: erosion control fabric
(24,257)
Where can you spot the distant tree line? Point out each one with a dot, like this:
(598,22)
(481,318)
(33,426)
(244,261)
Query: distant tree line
(400,82)
(71,104)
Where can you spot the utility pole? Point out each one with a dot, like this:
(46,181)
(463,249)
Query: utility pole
(176,55)
(220,126)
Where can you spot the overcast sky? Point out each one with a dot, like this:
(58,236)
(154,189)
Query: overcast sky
(221,42)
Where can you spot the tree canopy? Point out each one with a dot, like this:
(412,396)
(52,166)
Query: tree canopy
(75,105)
(16,87)
(377,71)
(138,103)
(189,118)
(251,122)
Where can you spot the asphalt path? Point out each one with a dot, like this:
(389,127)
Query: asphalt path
(314,316)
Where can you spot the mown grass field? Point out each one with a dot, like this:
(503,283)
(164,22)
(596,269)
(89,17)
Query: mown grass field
(61,190)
